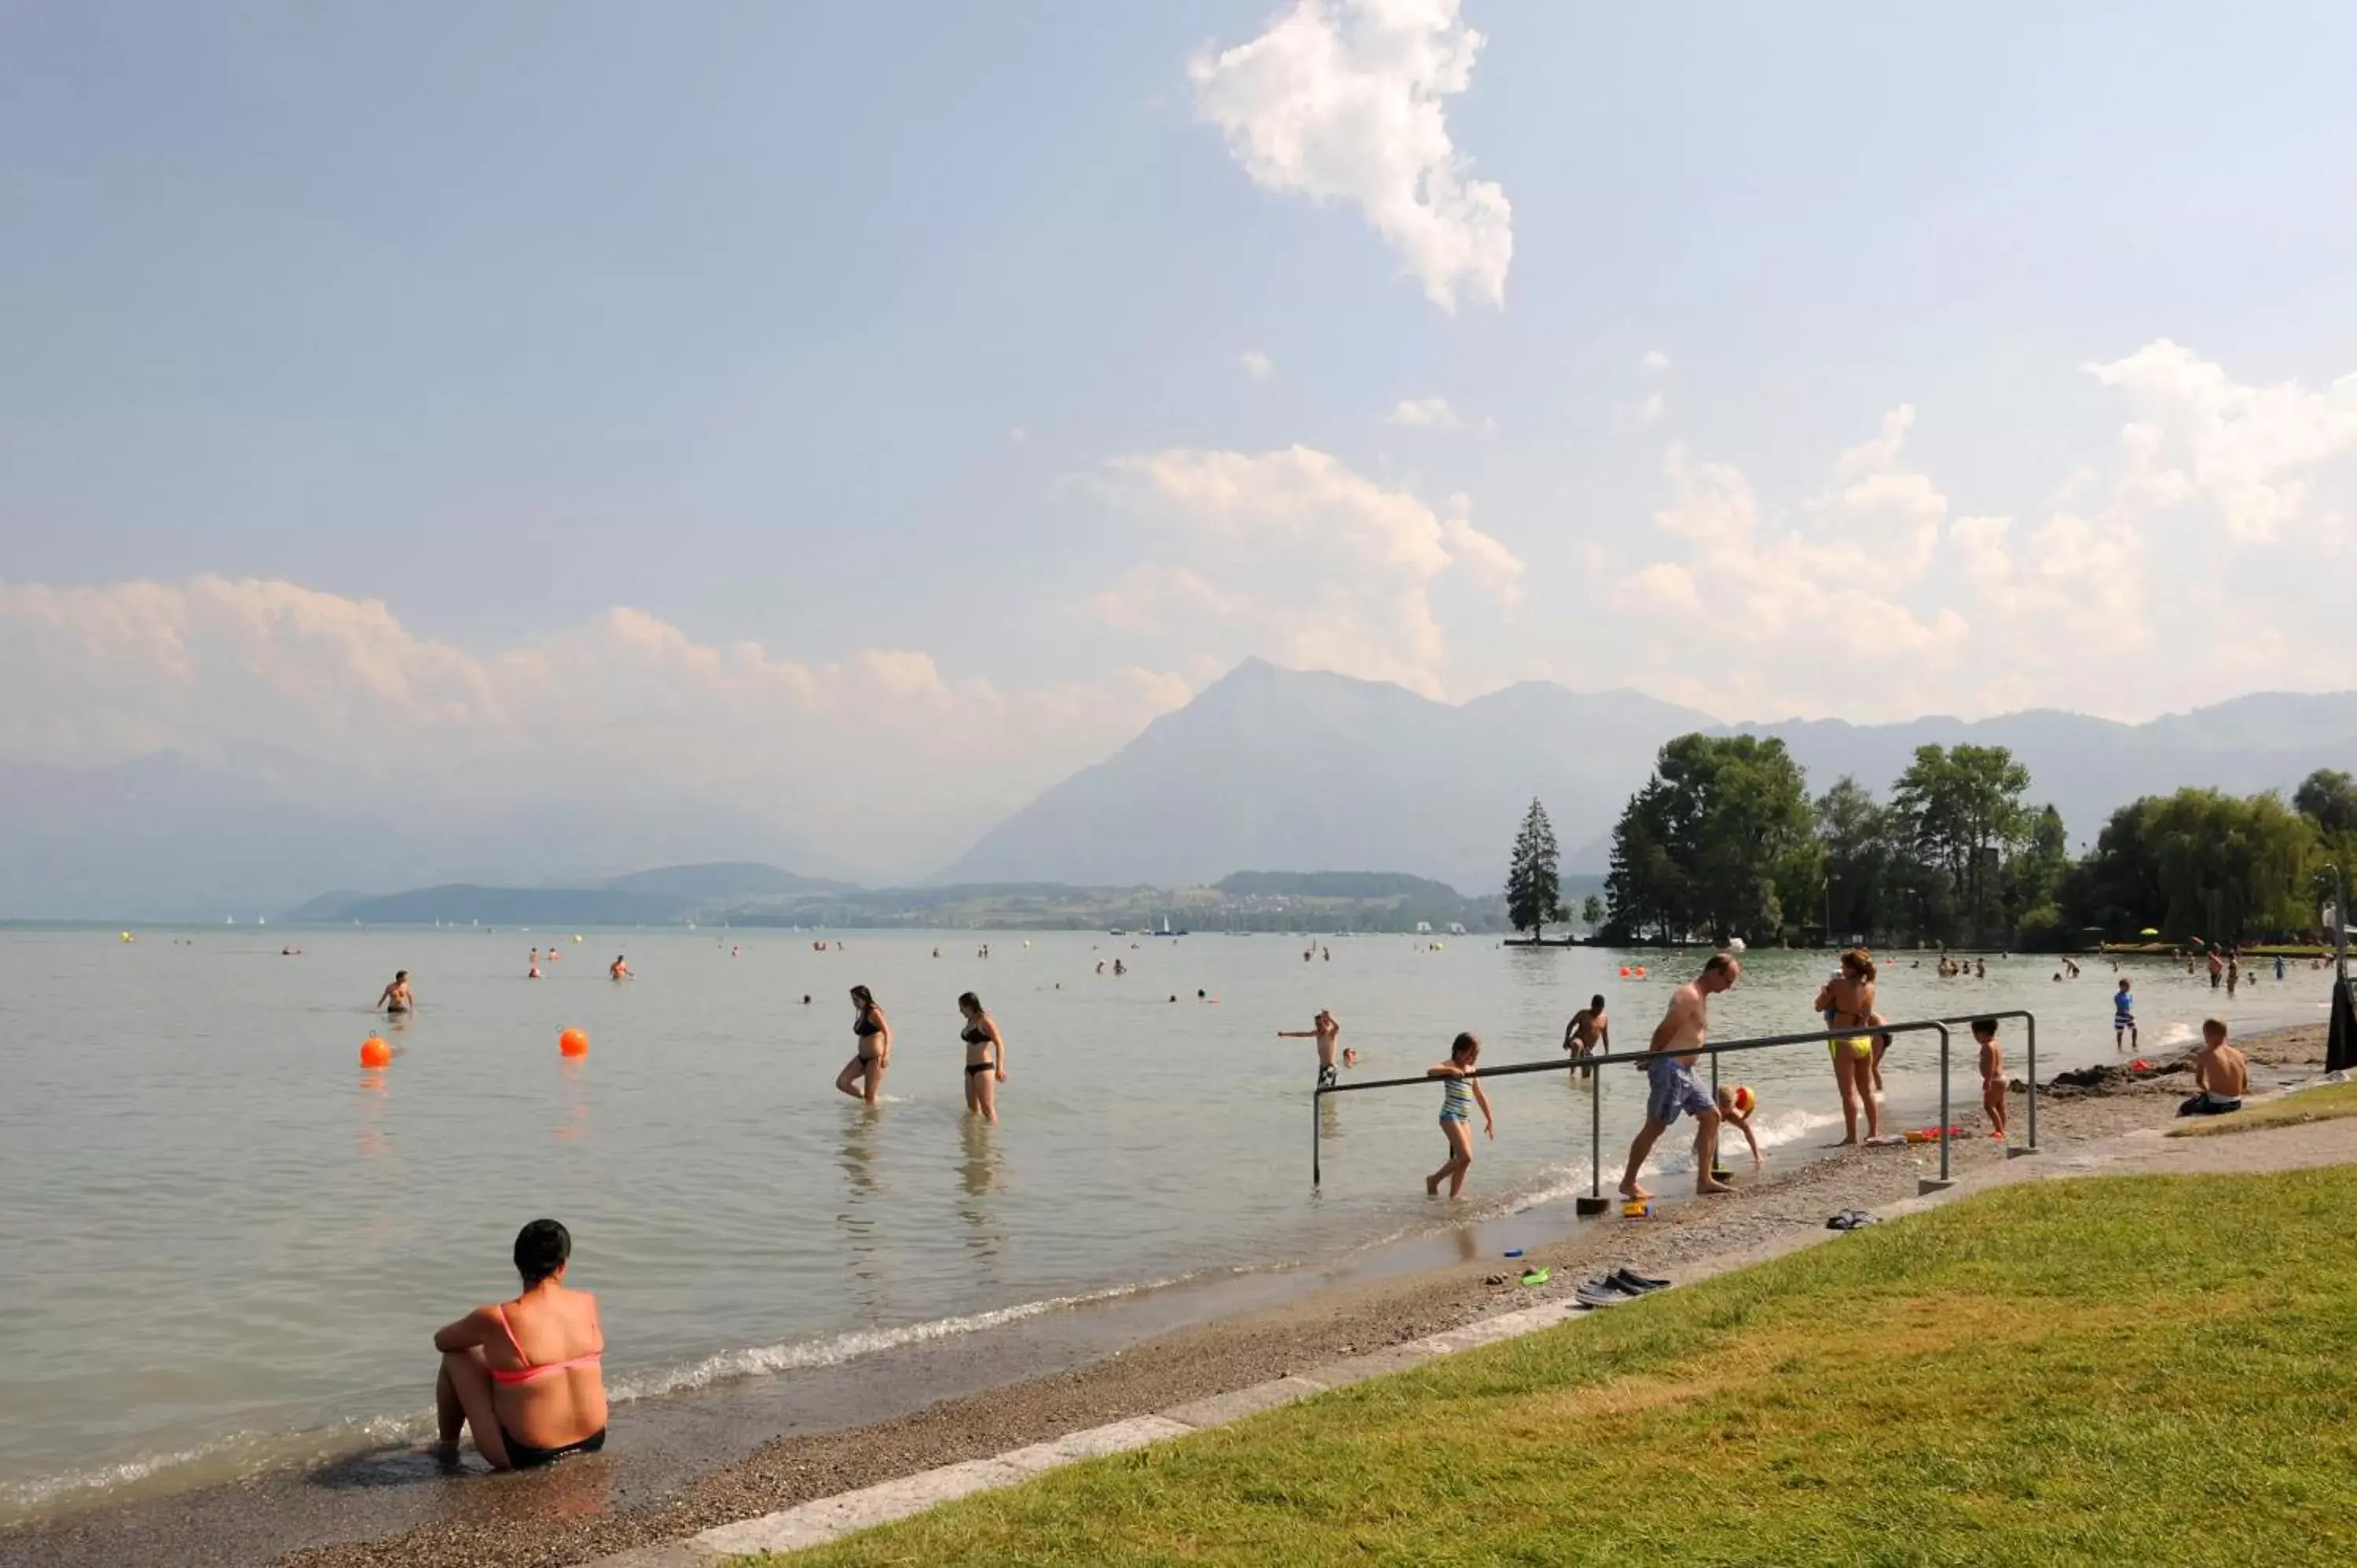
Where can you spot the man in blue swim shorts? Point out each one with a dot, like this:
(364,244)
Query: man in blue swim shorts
(1674,1091)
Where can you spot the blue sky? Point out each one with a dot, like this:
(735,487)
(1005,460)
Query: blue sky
(355,360)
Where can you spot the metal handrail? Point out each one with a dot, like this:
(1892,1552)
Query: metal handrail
(1763,1042)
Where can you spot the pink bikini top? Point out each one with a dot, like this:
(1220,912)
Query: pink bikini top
(525,1373)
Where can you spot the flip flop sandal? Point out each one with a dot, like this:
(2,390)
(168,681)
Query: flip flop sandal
(1535,1277)
(1622,1278)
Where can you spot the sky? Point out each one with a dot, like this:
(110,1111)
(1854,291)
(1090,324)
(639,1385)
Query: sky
(865,415)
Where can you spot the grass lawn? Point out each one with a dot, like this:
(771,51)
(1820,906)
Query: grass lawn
(2121,1370)
(2313,1105)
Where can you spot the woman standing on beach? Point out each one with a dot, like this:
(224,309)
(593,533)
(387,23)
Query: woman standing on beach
(863,1077)
(986,1058)
(1848,1000)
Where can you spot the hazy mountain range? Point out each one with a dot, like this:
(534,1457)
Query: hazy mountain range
(1266,769)
(1273,766)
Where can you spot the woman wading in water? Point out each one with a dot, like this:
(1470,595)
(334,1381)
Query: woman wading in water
(1847,1002)
(525,1374)
(986,1058)
(863,1077)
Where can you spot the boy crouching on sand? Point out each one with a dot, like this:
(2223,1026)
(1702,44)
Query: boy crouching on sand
(1992,1075)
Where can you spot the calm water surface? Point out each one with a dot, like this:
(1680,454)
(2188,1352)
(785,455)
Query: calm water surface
(224,1246)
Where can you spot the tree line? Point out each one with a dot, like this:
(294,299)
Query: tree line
(1724,840)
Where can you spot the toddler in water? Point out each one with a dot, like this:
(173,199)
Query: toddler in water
(1461,1093)
(1992,1075)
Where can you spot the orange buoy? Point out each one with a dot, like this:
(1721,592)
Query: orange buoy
(1624,971)
(573,1043)
(374,1052)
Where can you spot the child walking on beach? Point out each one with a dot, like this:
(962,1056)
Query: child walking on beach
(1460,1092)
(2123,1034)
(1992,1075)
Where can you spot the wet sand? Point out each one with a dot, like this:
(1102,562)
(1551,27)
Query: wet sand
(870,1420)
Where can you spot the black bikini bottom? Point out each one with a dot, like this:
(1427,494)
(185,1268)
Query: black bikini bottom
(524,1456)
(973,1067)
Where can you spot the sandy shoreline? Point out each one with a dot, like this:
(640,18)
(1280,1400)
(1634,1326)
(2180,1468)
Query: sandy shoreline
(578,1511)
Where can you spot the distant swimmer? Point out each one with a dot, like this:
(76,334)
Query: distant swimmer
(1327,1031)
(986,1058)
(396,997)
(526,1374)
(1589,1027)
(1119,967)
(619,969)
(863,1077)
(532,971)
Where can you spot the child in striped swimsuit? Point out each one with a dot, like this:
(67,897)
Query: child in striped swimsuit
(1460,1092)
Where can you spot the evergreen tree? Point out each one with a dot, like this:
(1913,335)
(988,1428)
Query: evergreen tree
(1534,885)
(1592,912)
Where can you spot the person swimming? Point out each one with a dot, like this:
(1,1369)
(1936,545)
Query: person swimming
(395,997)
(986,1058)
(863,1077)
(525,1375)
(619,969)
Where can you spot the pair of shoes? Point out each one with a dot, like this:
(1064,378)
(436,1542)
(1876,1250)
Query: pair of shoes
(1851,1219)
(1614,1288)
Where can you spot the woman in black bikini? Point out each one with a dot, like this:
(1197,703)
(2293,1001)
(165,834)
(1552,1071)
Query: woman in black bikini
(986,1058)
(863,1077)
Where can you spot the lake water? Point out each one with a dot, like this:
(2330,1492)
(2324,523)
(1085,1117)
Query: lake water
(226,1245)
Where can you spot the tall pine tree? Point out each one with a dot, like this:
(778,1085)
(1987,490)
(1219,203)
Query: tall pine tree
(1533,887)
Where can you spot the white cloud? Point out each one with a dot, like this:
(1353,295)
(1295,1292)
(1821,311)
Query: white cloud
(1652,410)
(1655,361)
(1257,365)
(1294,554)
(2146,585)
(215,667)
(1433,414)
(1344,100)
(2246,451)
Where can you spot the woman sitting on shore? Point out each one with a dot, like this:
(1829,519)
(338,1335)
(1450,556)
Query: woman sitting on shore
(525,1374)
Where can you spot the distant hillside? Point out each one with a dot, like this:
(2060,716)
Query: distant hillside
(1271,767)
(1278,767)
(668,895)
(463,903)
(722,880)
(1332,885)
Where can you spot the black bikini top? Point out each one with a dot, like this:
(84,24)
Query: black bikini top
(866,1025)
(974,1036)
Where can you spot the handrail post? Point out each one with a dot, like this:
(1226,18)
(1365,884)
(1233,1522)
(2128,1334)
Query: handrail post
(1944,1181)
(1316,1172)
(1593,1204)
(2033,1085)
